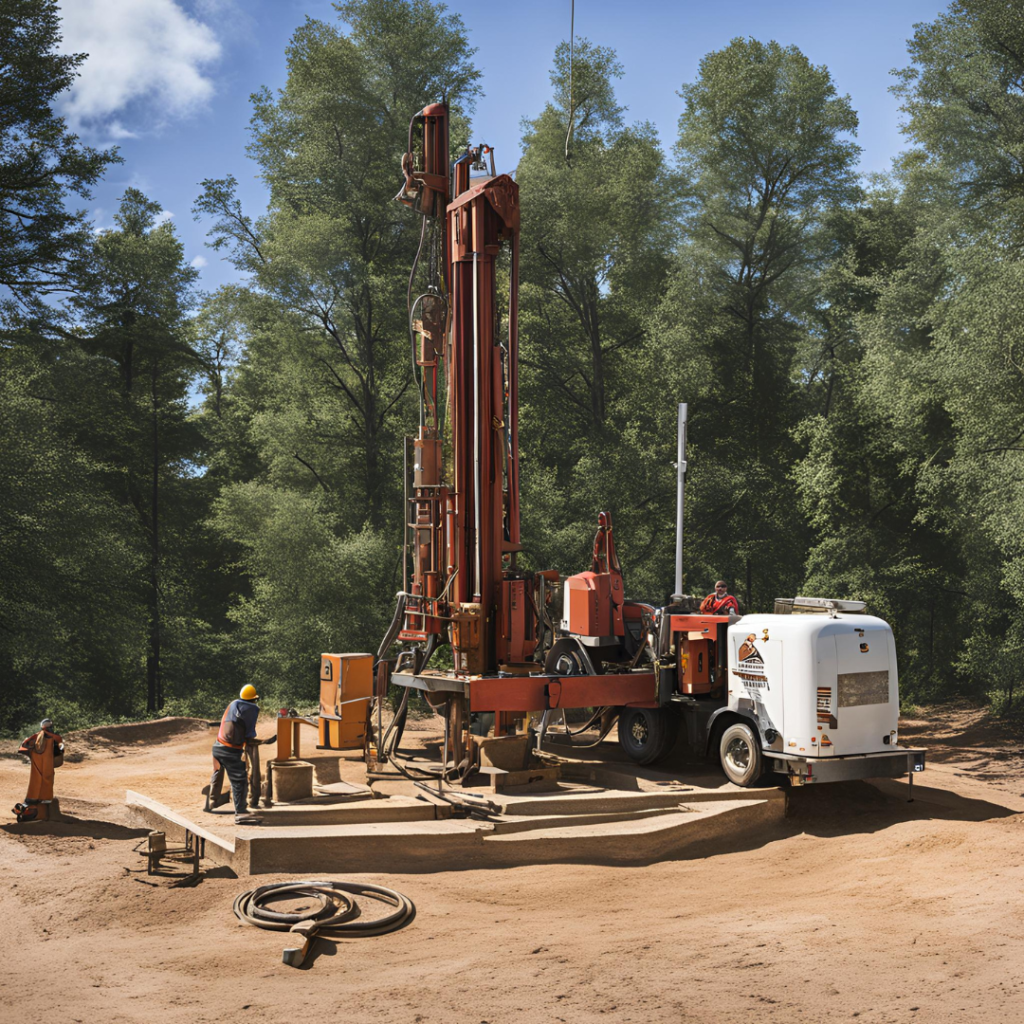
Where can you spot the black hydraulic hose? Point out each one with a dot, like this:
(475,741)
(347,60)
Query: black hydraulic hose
(398,721)
(401,713)
(569,734)
(481,808)
(586,725)
(336,913)
(389,639)
(393,629)
(600,739)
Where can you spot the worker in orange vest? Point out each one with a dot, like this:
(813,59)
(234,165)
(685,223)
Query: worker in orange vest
(237,726)
(721,602)
(45,751)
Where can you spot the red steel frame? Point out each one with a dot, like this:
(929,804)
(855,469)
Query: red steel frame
(468,509)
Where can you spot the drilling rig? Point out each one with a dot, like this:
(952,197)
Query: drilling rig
(721,682)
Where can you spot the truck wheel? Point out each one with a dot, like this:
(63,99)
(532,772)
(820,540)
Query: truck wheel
(645,734)
(740,754)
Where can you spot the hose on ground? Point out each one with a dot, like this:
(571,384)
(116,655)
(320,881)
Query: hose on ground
(337,912)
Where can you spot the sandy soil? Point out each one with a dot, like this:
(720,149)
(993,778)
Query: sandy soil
(859,906)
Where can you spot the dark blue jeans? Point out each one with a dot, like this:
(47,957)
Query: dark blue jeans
(234,767)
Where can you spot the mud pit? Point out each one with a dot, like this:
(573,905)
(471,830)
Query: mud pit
(858,906)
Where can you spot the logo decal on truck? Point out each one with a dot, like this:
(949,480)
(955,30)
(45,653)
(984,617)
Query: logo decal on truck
(751,665)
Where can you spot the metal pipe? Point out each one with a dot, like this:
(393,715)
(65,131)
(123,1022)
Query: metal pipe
(405,513)
(477,587)
(680,495)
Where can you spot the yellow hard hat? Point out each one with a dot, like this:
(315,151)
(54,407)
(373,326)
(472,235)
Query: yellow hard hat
(249,692)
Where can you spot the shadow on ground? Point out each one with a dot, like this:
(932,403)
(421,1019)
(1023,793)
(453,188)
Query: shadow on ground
(75,827)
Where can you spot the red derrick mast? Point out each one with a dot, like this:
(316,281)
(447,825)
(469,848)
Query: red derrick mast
(464,524)
(466,586)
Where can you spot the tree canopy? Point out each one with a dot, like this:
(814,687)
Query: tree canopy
(200,489)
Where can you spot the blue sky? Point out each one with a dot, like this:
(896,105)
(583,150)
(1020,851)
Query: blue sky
(169,80)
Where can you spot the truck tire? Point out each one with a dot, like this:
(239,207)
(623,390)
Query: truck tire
(646,734)
(740,753)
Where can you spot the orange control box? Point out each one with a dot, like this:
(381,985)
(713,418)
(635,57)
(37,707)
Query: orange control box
(696,674)
(346,685)
(593,605)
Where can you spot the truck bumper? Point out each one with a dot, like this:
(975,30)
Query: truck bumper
(803,771)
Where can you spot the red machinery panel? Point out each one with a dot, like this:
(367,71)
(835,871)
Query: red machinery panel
(586,594)
(536,693)
(593,600)
(517,641)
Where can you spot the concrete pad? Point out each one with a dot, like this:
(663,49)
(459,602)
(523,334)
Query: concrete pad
(593,801)
(651,838)
(635,837)
(396,808)
(644,816)
(538,822)
(379,847)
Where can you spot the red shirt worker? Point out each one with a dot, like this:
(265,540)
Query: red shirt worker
(721,602)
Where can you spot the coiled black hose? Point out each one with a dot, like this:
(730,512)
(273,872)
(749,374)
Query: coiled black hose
(335,912)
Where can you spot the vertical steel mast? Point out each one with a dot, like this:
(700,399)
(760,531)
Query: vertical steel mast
(464,524)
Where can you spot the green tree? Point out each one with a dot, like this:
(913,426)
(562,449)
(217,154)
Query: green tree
(130,307)
(918,462)
(333,249)
(871,482)
(766,153)
(42,165)
(71,627)
(597,229)
(962,95)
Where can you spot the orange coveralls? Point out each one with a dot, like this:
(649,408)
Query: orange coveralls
(41,748)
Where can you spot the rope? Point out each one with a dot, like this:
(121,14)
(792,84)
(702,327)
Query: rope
(335,912)
(572,110)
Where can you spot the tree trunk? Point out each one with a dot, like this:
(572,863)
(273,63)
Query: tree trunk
(154,677)
(597,403)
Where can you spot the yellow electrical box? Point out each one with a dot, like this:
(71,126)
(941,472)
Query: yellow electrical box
(346,686)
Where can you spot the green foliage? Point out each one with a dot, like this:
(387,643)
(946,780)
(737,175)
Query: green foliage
(68,623)
(42,165)
(198,491)
(310,585)
(597,230)
(766,158)
(962,97)
(333,250)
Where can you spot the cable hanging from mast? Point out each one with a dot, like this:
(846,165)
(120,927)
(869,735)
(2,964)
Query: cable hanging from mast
(572,109)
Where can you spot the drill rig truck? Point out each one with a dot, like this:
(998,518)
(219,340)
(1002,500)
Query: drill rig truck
(810,691)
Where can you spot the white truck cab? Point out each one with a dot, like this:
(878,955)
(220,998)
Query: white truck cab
(814,696)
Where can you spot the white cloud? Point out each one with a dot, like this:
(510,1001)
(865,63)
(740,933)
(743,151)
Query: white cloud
(199,262)
(147,64)
(162,217)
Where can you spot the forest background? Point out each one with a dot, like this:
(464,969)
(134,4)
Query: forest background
(198,490)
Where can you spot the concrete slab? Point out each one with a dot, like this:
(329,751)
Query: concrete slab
(398,808)
(590,800)
(651,838)
(634,835)
(601,811)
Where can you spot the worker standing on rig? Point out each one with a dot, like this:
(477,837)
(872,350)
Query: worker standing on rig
(721,602)
(238,725)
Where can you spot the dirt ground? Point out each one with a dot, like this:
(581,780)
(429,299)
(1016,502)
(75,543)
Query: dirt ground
(858,906)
